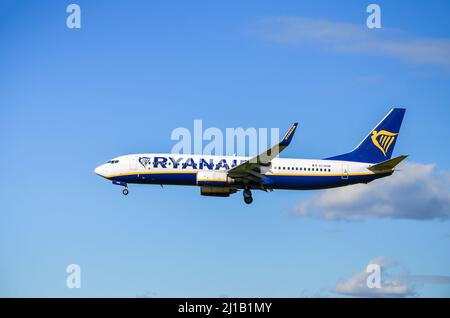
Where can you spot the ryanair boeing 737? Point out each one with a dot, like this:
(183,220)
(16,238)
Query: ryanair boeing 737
(224,175)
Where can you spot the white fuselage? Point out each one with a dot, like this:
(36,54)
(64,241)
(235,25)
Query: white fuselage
(282,173)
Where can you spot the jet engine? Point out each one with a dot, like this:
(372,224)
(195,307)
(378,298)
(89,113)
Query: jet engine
(216,191)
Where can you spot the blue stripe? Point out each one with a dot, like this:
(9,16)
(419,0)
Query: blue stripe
(270,181)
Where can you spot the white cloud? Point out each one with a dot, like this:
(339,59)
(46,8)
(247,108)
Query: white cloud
(416,191)
(356,38)
(395,281)
(391,286)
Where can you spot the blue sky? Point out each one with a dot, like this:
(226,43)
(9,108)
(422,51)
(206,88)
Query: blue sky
(73,99)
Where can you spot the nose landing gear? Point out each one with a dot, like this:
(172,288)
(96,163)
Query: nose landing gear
(123,184)
(248,196)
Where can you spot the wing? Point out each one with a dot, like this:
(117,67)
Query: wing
(250,170)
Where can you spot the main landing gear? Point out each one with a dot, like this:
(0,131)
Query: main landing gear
(125,191)
(248,196)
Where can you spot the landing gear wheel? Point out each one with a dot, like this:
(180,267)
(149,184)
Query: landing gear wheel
(248,200)
(125,191)
(247,196)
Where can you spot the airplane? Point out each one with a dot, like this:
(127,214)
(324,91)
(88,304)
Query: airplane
(221,176)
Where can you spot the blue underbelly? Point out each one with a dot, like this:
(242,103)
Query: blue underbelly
(160,178)
(270,181)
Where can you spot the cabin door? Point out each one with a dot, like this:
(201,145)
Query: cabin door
(133,163)
(344,171)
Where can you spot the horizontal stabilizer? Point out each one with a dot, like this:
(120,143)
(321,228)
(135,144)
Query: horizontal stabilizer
(388,164)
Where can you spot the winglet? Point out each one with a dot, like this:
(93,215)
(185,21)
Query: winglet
(289,135)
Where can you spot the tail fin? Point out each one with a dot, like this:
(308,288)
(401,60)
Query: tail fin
(380,142)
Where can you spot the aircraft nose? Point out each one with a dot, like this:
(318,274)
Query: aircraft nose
(99,171)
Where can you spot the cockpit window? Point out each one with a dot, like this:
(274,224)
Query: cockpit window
(113,161)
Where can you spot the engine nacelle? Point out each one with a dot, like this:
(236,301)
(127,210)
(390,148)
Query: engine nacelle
(216,191)
(213,178)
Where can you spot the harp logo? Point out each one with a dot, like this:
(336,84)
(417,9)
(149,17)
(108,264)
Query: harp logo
(383,139)
(145,161)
